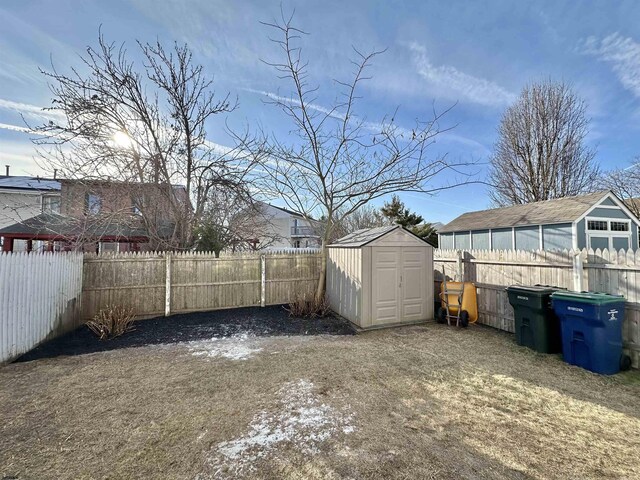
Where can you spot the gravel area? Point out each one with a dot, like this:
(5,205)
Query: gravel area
(414,402)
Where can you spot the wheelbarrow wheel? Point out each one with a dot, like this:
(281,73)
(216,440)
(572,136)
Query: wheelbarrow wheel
(625,362)
(464,319)
(441,317)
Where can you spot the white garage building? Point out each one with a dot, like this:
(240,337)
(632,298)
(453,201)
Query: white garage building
(381,277)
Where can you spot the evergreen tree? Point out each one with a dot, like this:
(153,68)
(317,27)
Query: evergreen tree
(396,213)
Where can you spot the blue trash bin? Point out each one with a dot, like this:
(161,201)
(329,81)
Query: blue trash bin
(591,325)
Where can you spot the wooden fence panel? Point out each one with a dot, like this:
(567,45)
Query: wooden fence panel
(40,296)
(197,281)
(291,276)
(603,271)
(131,280)
(203,282)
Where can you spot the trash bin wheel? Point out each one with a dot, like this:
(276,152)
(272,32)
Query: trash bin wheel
(625,362)
(441,317)
(464,319)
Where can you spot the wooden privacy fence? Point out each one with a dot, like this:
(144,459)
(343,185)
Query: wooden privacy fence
(600,271)
(39,298)
(162,284)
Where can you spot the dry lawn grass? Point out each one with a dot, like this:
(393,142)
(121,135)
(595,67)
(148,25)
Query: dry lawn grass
(414,402)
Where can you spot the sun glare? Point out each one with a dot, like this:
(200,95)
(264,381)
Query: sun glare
(121,139)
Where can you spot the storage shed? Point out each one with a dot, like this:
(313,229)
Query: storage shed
(381,277)
(597,220)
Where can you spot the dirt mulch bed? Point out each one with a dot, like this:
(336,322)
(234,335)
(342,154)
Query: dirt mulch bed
(268,321)
(428,402)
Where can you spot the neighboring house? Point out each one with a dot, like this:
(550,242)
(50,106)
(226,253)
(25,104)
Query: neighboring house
(597,220)
(98,216)
(22,198)
(279,227)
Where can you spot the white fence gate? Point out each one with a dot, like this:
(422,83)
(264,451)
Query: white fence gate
(40,295)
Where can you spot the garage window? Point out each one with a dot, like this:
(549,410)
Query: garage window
(619,227)
(597,225)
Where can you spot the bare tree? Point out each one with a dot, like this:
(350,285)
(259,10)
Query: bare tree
(366,216)
(625,183)
(338,161)
(541,152)
(142,123)
(236,223)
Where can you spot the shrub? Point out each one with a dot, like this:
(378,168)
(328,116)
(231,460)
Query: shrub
(111,322)
(305,307)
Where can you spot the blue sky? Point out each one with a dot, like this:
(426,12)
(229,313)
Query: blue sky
(477,55)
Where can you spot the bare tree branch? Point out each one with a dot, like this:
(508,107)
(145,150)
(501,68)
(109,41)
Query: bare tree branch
(335,162)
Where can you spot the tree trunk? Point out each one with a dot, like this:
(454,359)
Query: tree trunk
(323,274)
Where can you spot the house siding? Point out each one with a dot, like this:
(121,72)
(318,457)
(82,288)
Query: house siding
(18,206)
(608,213)
(480,239)
(501,239)
(557,237)
(445,241)
(463,241)
(528,238)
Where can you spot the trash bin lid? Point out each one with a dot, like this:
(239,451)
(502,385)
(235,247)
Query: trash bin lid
(587,297)
(532,289)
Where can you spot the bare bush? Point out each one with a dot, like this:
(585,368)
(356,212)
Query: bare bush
(305,306)
(111,322)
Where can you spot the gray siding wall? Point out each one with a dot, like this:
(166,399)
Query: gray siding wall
(528,238)
(463,241)
(608,201)
(607,213)
(445,241)
(501,239)
(582,237)
(480,239)
(557,237)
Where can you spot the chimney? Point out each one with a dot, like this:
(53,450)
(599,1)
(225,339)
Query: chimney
(55,173)
(7,167)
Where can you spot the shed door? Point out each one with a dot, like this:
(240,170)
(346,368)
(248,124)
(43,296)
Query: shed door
(413,283)
(398,284)
(386,285)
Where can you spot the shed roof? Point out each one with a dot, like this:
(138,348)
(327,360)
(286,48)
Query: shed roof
(360,238)
(559,210)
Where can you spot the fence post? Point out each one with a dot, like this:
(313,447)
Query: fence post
(263,280)
(167,287)
(577,271)
(459,266)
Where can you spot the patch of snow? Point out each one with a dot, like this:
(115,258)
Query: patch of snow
(237,347)
(301,421)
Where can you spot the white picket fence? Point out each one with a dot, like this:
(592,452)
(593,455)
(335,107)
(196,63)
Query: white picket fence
(40,296)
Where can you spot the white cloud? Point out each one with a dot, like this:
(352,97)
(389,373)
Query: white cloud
(375,127)
(333,113)
(15,128)
(623,53)
(458,84)
(30,110)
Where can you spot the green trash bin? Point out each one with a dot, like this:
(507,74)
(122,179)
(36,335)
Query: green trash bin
(537,325)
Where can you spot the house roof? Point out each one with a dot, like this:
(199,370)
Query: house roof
(28,183)
(53,224)
(285,210)
(559,210)
(360,238)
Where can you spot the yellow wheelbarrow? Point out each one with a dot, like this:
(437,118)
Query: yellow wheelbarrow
(459,302)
